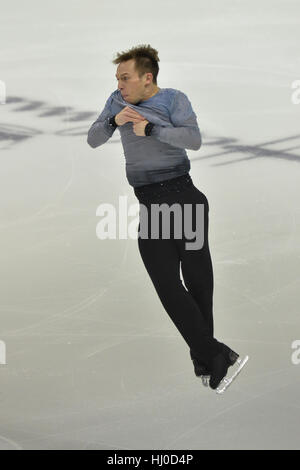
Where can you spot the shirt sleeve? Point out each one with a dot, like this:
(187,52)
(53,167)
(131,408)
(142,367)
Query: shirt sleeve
(100,131)
(185,132)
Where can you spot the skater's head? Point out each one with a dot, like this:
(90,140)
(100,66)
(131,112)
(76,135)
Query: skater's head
(137,73)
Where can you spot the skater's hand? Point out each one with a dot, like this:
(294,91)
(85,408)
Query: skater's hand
(139,127)
(128,115)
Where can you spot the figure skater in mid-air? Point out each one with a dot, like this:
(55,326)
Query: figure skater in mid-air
(156,126)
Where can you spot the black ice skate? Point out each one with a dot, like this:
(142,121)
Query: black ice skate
(220,365)
(200,370)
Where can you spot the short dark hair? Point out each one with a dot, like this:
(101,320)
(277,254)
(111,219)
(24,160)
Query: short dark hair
(145,57)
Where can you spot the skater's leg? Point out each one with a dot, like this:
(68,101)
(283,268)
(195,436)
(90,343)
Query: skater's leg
(162,261)
(197,273)
(196,265)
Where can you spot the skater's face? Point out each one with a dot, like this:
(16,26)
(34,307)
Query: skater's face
(132,87)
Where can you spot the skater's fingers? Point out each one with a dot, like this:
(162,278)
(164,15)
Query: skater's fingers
(131,112)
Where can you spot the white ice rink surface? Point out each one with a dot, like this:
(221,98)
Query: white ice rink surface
(92,359)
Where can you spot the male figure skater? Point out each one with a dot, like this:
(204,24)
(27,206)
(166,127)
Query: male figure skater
(156,126)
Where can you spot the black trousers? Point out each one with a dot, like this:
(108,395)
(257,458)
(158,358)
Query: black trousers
(190,307)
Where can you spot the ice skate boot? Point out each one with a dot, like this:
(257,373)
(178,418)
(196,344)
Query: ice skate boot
(220,365)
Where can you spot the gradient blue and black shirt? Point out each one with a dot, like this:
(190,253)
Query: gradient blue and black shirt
(162,155)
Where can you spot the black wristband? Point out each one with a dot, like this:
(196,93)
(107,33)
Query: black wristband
(112,122)
(148,128)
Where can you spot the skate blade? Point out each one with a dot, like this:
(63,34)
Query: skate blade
(228,381)
(205,380)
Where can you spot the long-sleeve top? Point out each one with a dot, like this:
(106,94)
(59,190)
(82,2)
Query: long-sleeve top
(162,155)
